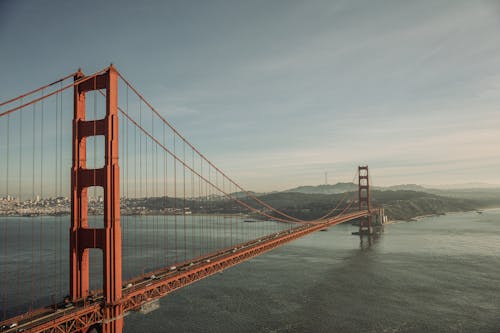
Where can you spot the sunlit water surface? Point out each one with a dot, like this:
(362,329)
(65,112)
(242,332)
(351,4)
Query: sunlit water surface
(440,274)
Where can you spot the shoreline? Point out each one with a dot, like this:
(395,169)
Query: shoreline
(421,217)
(411,219)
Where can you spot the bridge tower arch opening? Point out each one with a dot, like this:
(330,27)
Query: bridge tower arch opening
(365,226)
(83,237)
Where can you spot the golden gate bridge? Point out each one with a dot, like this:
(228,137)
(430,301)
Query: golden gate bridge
(147,212)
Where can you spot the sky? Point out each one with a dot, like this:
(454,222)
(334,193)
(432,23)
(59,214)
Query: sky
(276,93)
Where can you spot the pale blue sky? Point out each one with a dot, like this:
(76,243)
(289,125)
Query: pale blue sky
(278,92)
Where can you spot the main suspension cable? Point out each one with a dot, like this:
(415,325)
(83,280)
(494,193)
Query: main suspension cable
(37,89)
(74,83)
(249,194)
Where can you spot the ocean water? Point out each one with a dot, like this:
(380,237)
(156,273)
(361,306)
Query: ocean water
(439,274)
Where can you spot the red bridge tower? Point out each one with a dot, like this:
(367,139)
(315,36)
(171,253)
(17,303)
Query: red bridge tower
(365,226)
(108,238)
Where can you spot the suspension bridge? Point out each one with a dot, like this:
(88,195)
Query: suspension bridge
(147,212)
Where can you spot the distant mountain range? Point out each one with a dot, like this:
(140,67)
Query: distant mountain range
(441,189)
(401,202)
(486,195)
(463,186)
(325,189)
(349,187)
(403,187)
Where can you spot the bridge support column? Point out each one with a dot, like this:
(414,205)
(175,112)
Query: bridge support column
(108,239)
(365,226)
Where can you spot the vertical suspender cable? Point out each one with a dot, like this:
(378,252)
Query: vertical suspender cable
(146,220)
(135,191)
(18,240)
(7,222)
(234,217)
(210,212)
(220,204)
(216,199)
(147,224)
(40,228)
(223,212)
(60,187)
(184,196)
(140,179)
(33,218)
(157,218)
(202,214)
(56,218)
(57,210)
(127,183)
(175,207)
(165,204)
(155,182)
(229,202)
(6,231)
(192,208)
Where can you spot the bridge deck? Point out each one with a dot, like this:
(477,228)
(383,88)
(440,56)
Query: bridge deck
(142,290)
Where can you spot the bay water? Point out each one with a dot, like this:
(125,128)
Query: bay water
(438,274)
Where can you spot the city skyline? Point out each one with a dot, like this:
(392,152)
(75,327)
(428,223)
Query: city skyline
(278,94)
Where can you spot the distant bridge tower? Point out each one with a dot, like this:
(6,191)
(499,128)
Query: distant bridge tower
(365,226)
(108,238)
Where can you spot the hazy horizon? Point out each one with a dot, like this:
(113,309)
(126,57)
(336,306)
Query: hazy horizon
(278,93)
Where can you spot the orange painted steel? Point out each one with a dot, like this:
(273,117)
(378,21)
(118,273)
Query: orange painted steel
(37,89)
(83,238)
(45,96)
(87,315)
(79,319)
(206,266)
(365,226)
(105,311)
